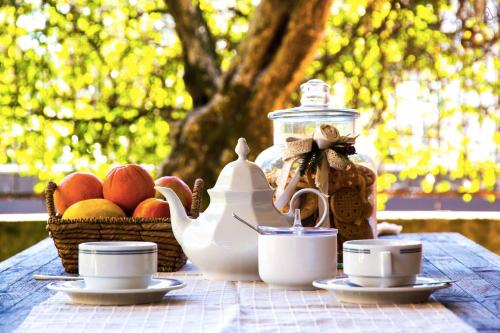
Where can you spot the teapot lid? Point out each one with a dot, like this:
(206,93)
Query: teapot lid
(242,175)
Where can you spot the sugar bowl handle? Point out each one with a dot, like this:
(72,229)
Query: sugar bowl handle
(323,203)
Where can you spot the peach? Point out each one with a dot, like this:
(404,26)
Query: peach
(152,207)
(127,186)
(75,187)
(179,187)
(93,208)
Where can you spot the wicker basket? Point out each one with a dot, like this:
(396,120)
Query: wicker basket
(68,233)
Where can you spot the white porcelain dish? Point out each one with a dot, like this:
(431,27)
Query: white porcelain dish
(117,265)
(80,294)
(348,293)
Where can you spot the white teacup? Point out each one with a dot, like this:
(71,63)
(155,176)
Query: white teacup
(381,262)
(117,265)
(294,261)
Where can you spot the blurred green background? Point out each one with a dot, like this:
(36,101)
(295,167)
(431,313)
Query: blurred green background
(88,84)
(17,236)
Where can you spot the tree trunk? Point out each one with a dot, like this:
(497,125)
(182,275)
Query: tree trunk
(269,66)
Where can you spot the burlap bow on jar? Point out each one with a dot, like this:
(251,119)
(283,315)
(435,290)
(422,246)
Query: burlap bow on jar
(327,148)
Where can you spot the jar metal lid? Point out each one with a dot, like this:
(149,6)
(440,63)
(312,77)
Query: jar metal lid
(313,111)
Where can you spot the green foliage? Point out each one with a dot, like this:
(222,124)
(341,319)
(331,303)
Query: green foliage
(17,236)
(367,56)
(86,84)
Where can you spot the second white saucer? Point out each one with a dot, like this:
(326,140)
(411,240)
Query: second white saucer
(81,295)
(346,292)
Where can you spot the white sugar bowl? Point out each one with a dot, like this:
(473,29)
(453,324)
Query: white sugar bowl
(292,258)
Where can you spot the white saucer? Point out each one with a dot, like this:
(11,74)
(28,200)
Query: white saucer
(81,295)
(345,292)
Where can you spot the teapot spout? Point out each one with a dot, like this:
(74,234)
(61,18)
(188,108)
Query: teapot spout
(178,216)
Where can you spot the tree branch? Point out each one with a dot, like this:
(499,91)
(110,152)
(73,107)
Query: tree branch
(255,50)
(269,64)
(296,50)
(202,72)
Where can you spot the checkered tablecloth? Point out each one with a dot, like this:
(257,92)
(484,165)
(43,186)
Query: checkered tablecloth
(222,306)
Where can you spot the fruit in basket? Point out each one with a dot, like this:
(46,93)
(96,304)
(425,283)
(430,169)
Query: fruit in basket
(76,187)
(93,208)
(127,186)
(178,186)
(152,207)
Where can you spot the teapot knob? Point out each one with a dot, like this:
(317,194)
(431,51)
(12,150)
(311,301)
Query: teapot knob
(242,149)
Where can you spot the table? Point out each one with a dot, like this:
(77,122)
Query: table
(475,297)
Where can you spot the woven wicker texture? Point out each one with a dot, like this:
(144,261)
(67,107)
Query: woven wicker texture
(68,233)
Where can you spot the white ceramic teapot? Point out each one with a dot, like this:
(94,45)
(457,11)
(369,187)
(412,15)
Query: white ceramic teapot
(221,247)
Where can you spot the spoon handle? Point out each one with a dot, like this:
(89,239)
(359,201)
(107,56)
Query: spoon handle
(43,277)
(246,223)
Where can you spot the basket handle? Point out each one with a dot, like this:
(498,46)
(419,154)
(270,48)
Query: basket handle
(49,198)
(197,196)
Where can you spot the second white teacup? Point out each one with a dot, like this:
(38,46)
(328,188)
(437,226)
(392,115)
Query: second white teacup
(117,265)
(381,262)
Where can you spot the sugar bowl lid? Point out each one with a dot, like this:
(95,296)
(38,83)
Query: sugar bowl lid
(297,229)
(294,231)
(241,175)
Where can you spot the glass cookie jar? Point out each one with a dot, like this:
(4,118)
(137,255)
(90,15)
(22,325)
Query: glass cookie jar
(351,186)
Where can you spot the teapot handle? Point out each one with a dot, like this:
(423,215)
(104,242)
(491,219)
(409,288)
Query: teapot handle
(322,200)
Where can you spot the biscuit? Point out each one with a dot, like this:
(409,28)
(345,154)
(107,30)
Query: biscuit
(347,205)
(352,231)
